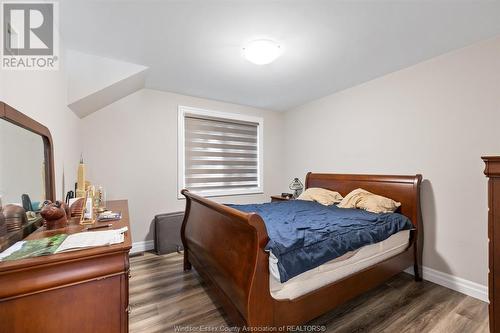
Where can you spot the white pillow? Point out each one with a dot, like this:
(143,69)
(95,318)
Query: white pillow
(321,195)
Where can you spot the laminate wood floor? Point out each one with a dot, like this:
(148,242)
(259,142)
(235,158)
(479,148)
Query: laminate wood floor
(163,297)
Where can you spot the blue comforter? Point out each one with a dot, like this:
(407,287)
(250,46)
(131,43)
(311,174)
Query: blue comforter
(305,234)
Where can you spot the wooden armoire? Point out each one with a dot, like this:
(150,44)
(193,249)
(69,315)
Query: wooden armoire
(492,171)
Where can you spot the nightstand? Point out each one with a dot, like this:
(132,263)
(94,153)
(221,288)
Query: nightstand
(275,198)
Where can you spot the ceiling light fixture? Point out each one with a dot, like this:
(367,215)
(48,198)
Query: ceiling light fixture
(262,51)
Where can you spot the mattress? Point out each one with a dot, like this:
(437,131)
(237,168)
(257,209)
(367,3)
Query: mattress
(336,269)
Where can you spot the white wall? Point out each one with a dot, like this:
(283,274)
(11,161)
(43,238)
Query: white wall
(131,149)
(42,95)
(436,118)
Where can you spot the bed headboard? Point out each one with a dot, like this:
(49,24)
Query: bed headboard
(405,189)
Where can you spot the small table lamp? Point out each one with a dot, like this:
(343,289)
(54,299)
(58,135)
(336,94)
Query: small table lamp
(296,186)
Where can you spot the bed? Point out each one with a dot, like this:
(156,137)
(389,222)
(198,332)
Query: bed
(228,249)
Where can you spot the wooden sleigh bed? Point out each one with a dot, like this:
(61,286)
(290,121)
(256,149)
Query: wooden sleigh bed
(226,246)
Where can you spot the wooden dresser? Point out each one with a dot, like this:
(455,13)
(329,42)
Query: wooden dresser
(77,292)
(492,171)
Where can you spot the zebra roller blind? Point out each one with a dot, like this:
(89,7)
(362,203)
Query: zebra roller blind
(221,155)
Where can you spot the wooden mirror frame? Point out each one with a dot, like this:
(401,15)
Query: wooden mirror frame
(15,117)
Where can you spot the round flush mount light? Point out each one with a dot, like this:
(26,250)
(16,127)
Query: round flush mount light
(262,51)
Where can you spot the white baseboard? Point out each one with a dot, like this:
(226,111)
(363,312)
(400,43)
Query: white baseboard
(461,285)
(142,246)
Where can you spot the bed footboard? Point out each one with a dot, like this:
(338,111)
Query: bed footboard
(226,247)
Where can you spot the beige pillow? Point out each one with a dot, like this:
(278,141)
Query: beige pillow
(363,199)
(321,195)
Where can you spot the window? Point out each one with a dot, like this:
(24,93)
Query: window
(219,153)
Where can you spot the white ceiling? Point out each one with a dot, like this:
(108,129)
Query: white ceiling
(194,47)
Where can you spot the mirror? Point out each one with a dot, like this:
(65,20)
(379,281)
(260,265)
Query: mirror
(26,167)
(22,166)
(26,159)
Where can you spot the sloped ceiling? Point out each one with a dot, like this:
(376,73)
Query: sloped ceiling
(194,47)
(94,81)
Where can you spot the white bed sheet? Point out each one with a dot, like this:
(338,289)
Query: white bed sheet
(336,269)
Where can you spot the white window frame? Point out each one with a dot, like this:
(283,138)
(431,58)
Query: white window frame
(181,181)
